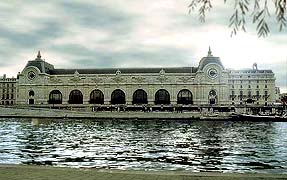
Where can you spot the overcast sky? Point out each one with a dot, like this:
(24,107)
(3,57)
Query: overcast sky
(131,33)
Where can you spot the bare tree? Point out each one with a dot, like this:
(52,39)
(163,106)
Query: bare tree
(257,10)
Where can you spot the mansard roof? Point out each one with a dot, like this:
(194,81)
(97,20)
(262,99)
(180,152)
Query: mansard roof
(209,59)
(39,63)
(251,71)
(43,66)
(123,70)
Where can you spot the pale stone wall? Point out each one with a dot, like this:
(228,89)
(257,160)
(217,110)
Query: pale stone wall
(211,77)
(253,82)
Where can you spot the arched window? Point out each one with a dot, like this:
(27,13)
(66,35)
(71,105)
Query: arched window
(140,97)
(118,97)
(162,97)
(212,93)
(184,97)
(212,97)
(55,97)
(31,93)
(31,99)
(76,97)
(96,97)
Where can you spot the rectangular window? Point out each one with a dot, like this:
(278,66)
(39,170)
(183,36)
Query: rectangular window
(257,93)
(249,94)
(232,93)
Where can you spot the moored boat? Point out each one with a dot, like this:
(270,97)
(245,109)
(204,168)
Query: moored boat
(249,117)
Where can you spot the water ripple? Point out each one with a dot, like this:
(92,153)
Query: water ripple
(147,145)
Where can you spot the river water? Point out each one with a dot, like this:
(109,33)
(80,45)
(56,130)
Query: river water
(198,146)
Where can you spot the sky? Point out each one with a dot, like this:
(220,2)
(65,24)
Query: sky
(132,33)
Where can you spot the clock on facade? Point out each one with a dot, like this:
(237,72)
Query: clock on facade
(31,75)
(212,73)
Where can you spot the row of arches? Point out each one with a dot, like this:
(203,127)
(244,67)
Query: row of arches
(162,96)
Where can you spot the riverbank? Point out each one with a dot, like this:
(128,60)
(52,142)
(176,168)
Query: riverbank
(23,172)
(8,112)
(45,113)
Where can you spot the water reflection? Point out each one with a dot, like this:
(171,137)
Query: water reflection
(155,145)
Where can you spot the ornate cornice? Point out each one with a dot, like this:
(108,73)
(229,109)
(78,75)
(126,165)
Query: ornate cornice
(97,79)
(54,80)
(184,79)
(138,79)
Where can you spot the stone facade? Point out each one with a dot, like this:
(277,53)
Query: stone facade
(209,83)
(7,90)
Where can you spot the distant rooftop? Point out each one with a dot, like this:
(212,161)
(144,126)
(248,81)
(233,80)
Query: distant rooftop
(45,67)
(123,70)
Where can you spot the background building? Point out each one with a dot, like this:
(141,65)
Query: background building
(208,84)
(7,90)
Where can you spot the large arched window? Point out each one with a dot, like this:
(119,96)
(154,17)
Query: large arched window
(184,97)
(162,97)
(140,97)
(55,97)
(76,97)
(96,97)
(118,97)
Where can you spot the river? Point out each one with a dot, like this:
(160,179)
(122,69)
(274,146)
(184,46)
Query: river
(195,146)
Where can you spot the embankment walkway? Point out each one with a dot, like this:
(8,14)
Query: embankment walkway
(8,112)
(23,172)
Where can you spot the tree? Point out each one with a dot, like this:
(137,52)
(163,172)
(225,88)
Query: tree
(257,9)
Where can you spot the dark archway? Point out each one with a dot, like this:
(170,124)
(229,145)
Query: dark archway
(55,97)
(162,97)
(140,97)
(212,97)
(31,97)
(249,100)
(76,97)
(212,101)
(184,97)
(96,97)
(118,97)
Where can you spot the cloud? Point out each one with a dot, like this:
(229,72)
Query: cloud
(83,33)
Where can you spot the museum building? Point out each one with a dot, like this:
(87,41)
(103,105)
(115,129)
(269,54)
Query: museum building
(210,83)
